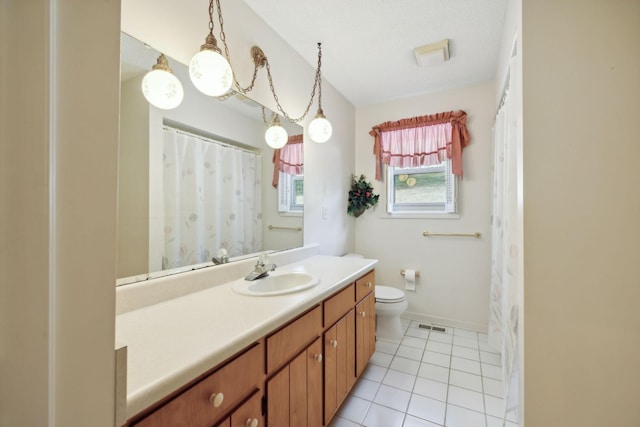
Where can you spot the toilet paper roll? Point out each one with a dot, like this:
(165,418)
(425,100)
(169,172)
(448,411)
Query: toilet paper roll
(410,280)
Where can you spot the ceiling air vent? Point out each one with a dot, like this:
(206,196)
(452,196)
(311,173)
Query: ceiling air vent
(432,54)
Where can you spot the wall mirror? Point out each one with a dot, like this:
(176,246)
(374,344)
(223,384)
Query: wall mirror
(197,178)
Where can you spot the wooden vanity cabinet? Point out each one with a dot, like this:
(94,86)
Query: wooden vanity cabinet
(339,367)
(365,320)
(294,394)
(212,398)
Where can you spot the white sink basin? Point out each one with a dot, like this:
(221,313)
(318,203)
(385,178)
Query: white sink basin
(276,283)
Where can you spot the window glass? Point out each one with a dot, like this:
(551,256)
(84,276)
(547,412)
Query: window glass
(428,189)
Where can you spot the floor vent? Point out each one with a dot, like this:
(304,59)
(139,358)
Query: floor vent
(433,328)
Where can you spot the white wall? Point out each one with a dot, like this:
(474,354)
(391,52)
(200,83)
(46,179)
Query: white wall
(327,166)
(59,128)
(454,282)
(581,212)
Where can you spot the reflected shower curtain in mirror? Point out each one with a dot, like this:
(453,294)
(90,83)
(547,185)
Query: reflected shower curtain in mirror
(212,199)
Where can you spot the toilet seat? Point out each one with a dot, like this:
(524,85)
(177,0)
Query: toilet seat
(388,295)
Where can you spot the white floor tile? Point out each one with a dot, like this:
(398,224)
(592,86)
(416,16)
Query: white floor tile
(434,372)
(399,380)
(492,371)
(408,366)
(466,365)
(417,333)
(354,409)
(386,347)
(492,387)
(427,408)
(441,337)
(492,358)
(365,389)
(381,359)
(465,333)
(462,417)
(374,372)
(465,342)
(494,422)
(428,379)
(467,353)
(343,422)
(380,416)
(465,380)
(465,398)
(414,342)
(484,346)
(494,406)
(434,358)
(430,388)
(411,421)
(393,398)
(438,347)
(409,352)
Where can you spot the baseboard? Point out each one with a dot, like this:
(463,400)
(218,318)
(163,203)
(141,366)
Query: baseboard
(445,321)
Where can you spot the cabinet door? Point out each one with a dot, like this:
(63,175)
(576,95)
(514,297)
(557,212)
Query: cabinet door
(249,414)
(339,366)
(365,332)
(294,394)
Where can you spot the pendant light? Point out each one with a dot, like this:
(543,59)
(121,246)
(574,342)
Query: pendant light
(161,87)
(210,72)
(276,136)
(320,128)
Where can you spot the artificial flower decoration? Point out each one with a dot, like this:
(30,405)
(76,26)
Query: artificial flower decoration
(361,196)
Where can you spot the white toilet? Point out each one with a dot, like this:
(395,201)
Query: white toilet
(391,303)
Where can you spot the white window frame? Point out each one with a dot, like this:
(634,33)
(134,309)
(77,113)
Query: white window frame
(448,209)
(286,194)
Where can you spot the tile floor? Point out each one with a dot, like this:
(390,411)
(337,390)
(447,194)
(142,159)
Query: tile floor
(430,379)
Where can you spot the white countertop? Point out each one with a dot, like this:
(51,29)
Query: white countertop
(173,342)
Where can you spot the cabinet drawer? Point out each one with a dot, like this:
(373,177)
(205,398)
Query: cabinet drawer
(365,284)
(336,306)
(290,340)
(225,388)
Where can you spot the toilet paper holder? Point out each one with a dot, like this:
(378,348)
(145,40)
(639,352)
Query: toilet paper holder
(417,273)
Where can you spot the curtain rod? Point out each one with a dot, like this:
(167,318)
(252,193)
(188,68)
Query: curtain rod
(211,140)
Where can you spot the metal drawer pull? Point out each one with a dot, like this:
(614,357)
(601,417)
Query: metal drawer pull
(362,314)
(252,422)
(318,357)
(333,343)
(216,399)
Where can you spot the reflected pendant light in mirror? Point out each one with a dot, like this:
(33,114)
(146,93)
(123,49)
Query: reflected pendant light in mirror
(276,136)
(160,87)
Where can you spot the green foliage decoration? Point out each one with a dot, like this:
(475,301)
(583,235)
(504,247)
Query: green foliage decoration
(361,196)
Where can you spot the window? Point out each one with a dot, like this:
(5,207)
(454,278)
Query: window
(290,193)
(424,189)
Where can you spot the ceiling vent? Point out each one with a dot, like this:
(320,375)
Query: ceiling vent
(432,54)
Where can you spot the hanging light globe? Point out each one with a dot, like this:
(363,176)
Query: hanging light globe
(210,72)
(320,128)
(161,88)
(276,136)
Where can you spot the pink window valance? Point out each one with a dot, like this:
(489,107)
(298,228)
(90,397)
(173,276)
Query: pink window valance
(288,159)
(421,141)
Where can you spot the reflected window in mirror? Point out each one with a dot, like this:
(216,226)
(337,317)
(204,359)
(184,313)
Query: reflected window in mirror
(290,193)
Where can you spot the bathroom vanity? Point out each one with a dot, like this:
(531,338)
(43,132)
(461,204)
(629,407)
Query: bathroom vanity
(218,358)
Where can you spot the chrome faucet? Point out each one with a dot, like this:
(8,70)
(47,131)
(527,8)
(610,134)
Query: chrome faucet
(261,269)
(222,257)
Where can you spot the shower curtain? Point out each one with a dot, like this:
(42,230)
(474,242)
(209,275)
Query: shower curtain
(503,321)
(212,199)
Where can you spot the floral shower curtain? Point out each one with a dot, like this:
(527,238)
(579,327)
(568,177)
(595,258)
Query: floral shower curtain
(212,199)
(503,321)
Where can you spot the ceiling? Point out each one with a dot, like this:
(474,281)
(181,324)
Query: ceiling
(367,45)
